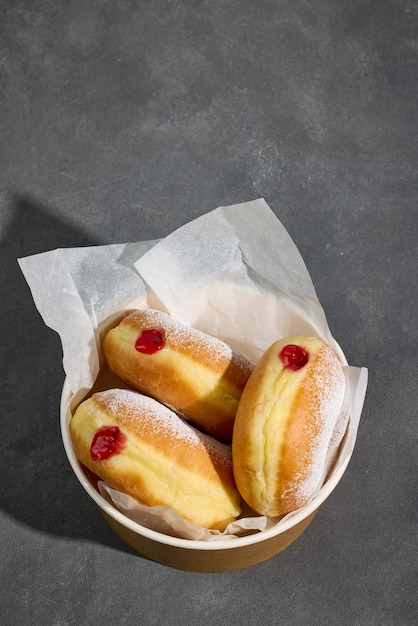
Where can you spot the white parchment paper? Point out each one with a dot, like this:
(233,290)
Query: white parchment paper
(234,273)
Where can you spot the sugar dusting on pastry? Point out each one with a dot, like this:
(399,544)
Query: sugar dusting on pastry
(285,424)
(180,366)
(136,407)
(325,410)
(183,337)
(163,460)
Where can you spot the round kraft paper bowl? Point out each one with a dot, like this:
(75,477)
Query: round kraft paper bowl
(197,556)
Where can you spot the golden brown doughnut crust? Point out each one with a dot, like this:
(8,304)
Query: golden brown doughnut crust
(163,460)
(197,375)
(283,427)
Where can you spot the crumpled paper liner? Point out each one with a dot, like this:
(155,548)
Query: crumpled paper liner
(234,273)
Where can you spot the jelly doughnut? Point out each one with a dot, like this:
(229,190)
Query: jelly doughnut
(285,424)
(142,448)
(197,375)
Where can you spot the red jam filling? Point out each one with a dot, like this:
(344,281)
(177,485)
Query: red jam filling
(150,340)
(293,357)
(107,441)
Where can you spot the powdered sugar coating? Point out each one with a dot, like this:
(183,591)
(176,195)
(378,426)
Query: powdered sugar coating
(182,338)
(326,388)
(139,409)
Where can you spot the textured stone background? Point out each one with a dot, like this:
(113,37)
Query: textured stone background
(121,121)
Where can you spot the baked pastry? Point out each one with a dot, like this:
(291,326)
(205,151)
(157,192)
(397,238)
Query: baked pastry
(285,424)
(199,376)
(142,448)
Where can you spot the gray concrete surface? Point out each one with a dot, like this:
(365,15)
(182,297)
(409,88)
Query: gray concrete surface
(121,121)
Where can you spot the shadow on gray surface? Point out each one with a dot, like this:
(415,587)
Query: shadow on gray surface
(39,488)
